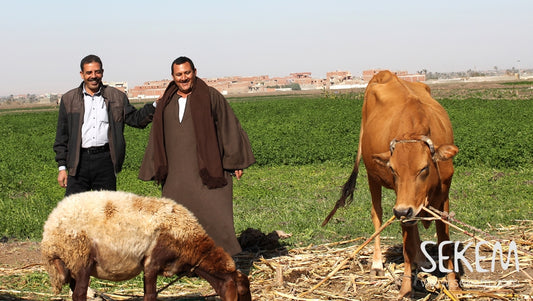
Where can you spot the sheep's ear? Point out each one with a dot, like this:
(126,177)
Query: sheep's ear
(229,290)
(243,287)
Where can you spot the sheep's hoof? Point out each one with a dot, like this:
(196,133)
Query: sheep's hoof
(150,297)
(376,273)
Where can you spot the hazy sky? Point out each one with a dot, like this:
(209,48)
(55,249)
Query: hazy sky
(42,42)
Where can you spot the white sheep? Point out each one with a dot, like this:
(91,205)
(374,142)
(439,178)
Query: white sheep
(116,235)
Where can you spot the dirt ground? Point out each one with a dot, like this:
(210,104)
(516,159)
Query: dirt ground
(18,254)
(280,274)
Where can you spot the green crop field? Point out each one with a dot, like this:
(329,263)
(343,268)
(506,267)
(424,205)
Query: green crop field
(305,147)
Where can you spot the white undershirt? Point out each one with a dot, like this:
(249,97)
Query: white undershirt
(182,101)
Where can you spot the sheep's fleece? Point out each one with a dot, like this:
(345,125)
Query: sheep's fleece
(120,230)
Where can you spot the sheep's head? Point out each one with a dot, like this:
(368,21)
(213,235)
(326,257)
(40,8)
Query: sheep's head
(237,288)
(233,286)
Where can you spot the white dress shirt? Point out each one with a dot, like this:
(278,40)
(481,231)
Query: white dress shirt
(95,120)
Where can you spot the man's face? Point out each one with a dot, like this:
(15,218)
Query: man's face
(184,76)
(92,74)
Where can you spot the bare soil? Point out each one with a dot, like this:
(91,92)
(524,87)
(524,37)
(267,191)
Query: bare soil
(19,254)
(280,274)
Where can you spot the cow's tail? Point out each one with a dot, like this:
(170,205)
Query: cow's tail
(349,186)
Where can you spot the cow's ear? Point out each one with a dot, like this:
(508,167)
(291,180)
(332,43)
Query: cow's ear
(382,159)
(446,152)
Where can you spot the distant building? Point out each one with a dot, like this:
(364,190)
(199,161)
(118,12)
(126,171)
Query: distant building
(148,90)
(235,84)
(264,83)
(368,74)
(300,75)
(336,77)
(238,84)
(122,86)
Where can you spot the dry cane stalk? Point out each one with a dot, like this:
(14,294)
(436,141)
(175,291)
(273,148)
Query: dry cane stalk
(449,294)
(343,263)
(464,231)
(449,217)
(455,227)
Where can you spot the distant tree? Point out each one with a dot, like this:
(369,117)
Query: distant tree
(31,98)
(474,73)
(432,75)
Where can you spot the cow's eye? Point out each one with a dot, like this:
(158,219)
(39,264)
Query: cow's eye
(424,171)
(392,170)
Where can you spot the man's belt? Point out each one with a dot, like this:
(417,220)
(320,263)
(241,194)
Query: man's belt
(96,149)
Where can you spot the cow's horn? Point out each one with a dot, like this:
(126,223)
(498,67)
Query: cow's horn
(429,143)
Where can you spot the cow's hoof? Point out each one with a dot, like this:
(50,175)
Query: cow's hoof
(406,288)
(404,295)
(453,283)
(376,273)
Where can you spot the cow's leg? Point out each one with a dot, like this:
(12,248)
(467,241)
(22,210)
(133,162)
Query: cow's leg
(150,283)
(377,219)
(443,234)
(411,246)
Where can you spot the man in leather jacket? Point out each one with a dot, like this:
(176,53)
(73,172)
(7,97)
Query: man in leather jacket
(89,144)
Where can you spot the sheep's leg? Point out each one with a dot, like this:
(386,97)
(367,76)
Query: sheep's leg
(150,284)
(72,284)
(81,284)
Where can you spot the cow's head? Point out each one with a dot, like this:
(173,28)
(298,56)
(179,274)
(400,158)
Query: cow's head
(413,164)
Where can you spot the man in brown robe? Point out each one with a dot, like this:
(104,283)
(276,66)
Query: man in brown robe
(196,144)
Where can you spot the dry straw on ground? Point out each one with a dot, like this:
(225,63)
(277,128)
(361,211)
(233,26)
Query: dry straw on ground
(293,276)
(339,271)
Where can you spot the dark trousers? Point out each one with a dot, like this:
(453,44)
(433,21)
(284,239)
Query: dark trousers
(95,172)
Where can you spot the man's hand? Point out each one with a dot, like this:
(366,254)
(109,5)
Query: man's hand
(62,178)
(238,173)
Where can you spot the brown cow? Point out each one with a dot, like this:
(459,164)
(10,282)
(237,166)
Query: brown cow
(406,142)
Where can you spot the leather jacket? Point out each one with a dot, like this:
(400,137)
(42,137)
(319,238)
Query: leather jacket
(67,143)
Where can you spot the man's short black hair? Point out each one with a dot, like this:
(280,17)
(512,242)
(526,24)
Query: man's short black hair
(181,60)
(91,58)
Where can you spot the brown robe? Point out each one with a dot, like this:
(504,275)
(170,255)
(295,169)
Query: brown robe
(212,207)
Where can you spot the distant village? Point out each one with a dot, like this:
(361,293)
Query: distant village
(301,81)
(265,84)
